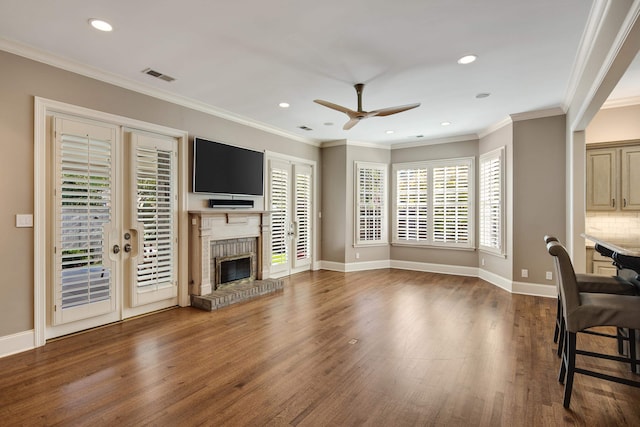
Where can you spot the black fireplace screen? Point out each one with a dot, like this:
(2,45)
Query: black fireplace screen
(235,269)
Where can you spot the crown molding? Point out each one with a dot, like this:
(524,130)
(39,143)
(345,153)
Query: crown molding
(495,127)
(538,114)
(352,143)
(621,102)
(585,48)
(631,17)
(38,55)
(435,141)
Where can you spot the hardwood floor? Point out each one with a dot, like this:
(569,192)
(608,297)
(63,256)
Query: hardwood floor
(383,348)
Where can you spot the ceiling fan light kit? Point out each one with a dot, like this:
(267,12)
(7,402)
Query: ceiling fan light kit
(360,114)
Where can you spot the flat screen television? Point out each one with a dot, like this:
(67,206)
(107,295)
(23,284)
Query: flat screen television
(225,169)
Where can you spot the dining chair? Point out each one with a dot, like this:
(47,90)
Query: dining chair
(583,310)
(593,283)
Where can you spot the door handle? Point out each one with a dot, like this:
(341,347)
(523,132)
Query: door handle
(116,249)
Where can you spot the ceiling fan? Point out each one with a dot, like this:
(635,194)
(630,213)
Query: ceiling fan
(356,116)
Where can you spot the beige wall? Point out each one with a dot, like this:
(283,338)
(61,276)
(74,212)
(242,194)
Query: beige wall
(615,124)
(538,194)
(20,81)
(334,177)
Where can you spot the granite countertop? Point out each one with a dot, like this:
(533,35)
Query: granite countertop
(627,247)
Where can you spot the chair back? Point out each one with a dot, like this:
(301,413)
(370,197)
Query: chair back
(566,277)
(548,239)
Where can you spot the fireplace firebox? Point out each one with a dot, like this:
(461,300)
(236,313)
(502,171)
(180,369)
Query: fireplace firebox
(234,269)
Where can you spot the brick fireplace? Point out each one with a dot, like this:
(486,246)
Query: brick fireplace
(238,238)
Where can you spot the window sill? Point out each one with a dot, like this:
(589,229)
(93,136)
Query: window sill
(493,253)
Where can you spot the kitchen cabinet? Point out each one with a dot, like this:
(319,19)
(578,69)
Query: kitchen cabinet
(602,173)
(598,264)
(613,177)
(630,157)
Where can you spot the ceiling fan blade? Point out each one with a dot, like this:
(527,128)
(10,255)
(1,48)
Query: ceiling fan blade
(351,123)
(335,106)
(392,110)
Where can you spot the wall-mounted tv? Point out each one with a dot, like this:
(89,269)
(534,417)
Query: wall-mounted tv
(225,169)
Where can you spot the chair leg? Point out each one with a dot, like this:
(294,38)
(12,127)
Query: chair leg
(561,338)
(632,351)
(570,352)
(556,332)
(563,362)
(621,338)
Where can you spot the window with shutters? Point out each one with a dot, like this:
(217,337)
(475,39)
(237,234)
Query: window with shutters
(85,207)
(492,201)
(433,203)
(371,204)
(279,201)
(156,210)
(303,212)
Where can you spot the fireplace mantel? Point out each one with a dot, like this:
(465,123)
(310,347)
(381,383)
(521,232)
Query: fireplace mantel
(208,226)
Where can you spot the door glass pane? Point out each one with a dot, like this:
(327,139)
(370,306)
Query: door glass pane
(303,215)
(155,211)
(84,208)
(279,199)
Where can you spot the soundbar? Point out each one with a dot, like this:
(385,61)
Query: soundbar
(233,204)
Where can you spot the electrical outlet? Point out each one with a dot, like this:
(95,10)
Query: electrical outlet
(524,272)
(549,275)
(357,255)
(24,220)
(482,261)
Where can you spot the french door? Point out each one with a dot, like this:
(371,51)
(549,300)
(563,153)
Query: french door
(113,224)
(290,204)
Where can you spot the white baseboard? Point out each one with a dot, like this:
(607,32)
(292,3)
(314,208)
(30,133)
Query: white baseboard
(496,280)
(427,267)
(17,343)
(533,289)
(354,266)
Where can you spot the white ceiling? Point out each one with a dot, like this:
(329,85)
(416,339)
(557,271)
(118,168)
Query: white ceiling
(243,57)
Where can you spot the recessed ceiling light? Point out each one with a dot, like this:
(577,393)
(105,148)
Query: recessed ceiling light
(445,123)
(101,25)
(468,59)
(389,132)
(284,105)
(482,95)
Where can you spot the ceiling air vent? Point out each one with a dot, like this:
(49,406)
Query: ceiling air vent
(159,75)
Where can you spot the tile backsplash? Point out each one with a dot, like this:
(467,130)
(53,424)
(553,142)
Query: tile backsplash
(623,227)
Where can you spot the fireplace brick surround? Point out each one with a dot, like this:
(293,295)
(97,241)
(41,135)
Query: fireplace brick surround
(217,235)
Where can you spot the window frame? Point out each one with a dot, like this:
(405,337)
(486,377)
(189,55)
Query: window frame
(497,154)
(382,207)
(430,165)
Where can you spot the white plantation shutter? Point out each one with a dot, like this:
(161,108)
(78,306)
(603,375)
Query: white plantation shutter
(155,214)
(451,204)
(303,214)
(83,214)
(411,204)
(491,201)
(278,205)
(433,203)
(371,203)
